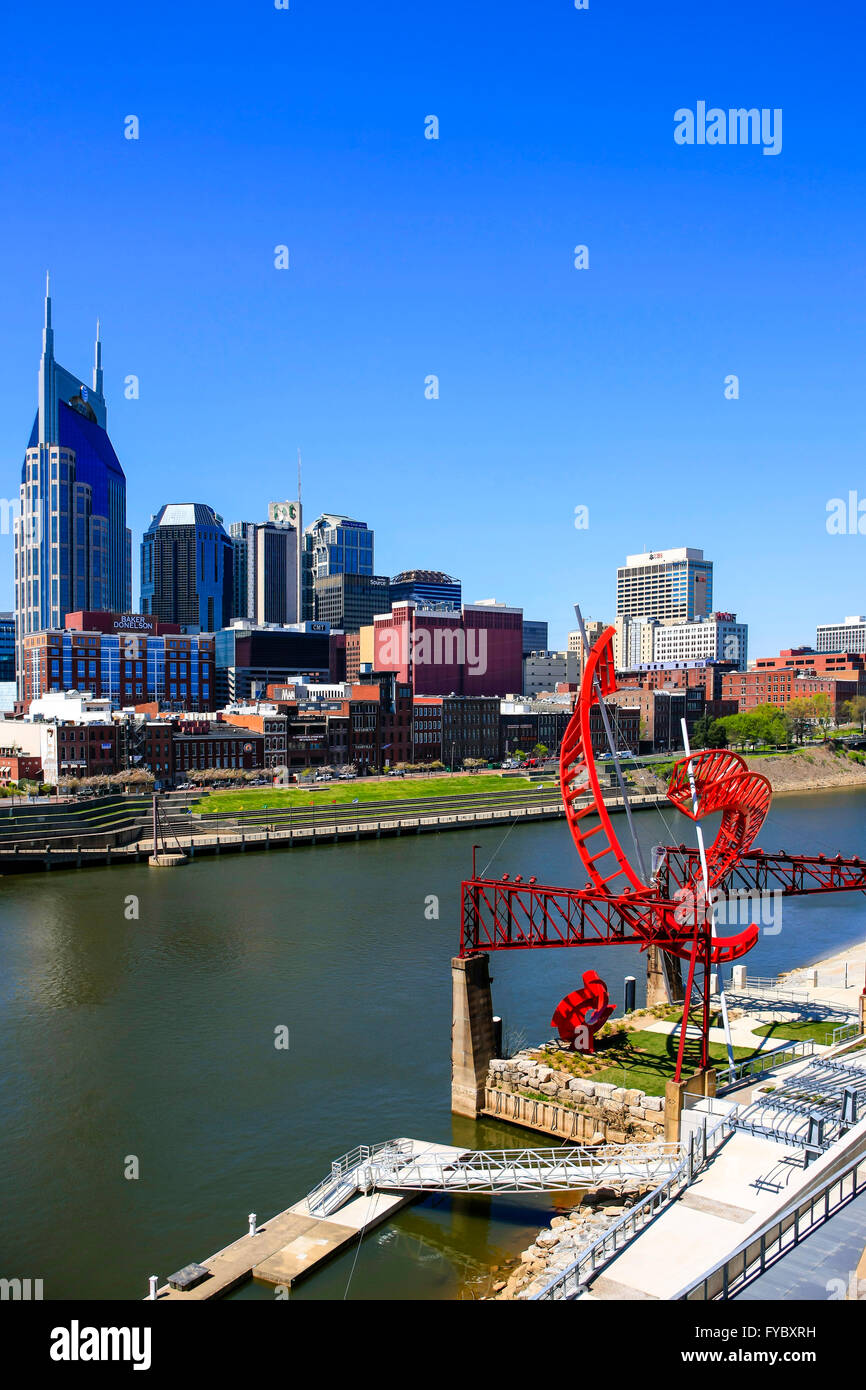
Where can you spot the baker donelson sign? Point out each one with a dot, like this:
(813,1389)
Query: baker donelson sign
(133,622)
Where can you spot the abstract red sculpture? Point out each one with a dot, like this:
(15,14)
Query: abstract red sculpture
(580,1014)
(671,912)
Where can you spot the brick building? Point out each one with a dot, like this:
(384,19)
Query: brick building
(126,658)
(470,728)
(779,686)
(271,723)
(474,651)
(202,743)
(16,765)
(427,729)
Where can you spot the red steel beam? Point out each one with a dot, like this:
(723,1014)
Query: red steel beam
(757,872)
(510,915)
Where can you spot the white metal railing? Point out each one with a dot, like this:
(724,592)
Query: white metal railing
(572,1282)
(727,1077)
(777,1237)
(395,1166)
(330,1192)
(522,1170)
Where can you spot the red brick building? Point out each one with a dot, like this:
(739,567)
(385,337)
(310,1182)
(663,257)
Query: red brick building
(15,765)
(200,744)
(798,673)
(128,658)
(477,650)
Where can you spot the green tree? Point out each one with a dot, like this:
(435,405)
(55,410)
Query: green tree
(855,711)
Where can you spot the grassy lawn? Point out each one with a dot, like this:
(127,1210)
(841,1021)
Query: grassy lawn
(390,789)
(820,1031)
(639,1061)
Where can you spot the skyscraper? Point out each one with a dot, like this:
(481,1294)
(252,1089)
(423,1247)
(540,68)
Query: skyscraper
(243,538)
(266,569)
(187,567)
(671,585)
(72,546)
(333,544)
(426,587)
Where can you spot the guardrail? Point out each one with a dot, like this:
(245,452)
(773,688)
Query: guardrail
(845,1031)
(728,1077)
(776,1238)
(571,1282)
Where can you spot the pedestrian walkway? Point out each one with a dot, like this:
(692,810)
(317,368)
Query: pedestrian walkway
(822,1265)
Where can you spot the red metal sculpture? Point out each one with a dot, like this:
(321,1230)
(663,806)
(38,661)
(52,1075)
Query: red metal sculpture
(580,1014)
(617,906)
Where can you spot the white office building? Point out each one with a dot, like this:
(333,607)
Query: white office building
(719,637)
(849,636)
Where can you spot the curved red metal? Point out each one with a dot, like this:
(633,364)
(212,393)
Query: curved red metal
(723,784)
(578,778)
(580,1014)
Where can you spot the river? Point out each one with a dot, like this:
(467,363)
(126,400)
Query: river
(152,1038)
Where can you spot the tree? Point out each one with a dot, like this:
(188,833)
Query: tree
(855,711)
(708,733)
(540,750)
(805,711)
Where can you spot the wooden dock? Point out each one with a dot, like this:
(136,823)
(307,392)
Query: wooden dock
(293,1244)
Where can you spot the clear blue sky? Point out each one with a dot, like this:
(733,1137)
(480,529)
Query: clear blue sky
(409,257)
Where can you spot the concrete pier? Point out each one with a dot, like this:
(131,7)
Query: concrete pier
(473,1036)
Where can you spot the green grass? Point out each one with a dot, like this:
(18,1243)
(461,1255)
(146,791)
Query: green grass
(392,789)
(645,1061)
(818,1031)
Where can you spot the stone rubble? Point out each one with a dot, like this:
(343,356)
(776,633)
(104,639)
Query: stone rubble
(560,1244)
(611,1114)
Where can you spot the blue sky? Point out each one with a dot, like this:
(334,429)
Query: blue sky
(411,257)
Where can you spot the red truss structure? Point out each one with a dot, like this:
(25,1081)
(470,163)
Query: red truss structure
(671,911)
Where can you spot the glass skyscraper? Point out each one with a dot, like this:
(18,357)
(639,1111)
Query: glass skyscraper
(187,568)
(333,544)
(72,546)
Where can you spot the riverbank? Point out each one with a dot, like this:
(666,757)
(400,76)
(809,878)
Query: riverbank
(809,769)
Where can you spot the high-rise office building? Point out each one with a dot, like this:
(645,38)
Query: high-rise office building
(333,544)
(719,637)
(187,567)
(72,547)
(671,585)
(243,539)
(349,602)
(7,647)
(427,588)
(276,580)
(534,636)
(849,636)
(266,570)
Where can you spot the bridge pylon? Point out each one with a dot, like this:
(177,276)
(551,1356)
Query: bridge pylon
(472,1032)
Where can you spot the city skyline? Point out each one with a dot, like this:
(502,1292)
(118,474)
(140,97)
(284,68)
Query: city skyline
(558,388)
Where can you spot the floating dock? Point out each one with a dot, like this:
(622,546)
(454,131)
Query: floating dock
(294,1243)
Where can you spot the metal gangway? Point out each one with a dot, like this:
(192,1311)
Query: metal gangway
(404,1165)
(809,1111)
